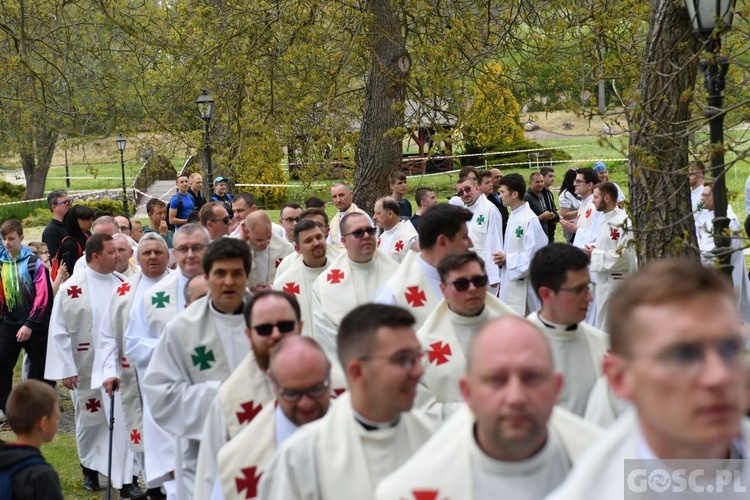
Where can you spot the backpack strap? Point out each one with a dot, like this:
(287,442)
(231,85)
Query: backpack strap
(6,475)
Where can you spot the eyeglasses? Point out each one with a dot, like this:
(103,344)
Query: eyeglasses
(579,181)
(225,220)
(360,233)
(462,284)
(185,248)
(294,395)
(65,202)
(124,228)
(405,358)
(580,290)
(290,219)
(466,190)
(686,358)
(266,329)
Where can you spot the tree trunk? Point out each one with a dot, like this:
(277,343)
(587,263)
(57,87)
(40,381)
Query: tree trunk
(36,160)
(658,156)
(379,144)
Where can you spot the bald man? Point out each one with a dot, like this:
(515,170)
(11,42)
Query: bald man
(300,376)
(267,248)
(342,197)
(509,437)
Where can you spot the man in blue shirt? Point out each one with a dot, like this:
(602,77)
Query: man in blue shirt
(181,203)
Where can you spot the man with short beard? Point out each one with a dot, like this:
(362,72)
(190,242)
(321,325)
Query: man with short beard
(509,437)
(300,376)
(299,277)
(269,316)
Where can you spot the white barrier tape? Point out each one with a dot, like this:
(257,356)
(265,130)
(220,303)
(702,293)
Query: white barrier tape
(73,194)
(151,196)
(89,178)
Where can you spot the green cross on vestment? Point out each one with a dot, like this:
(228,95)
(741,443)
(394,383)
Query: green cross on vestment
(480,220)
(160,299)
(519,232)
(202,358)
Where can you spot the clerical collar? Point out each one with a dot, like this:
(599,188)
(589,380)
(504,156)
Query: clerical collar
(238,311)
(316,267)
(555,326)
(369,425)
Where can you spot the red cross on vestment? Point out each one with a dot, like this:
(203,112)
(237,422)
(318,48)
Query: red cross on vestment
(248,481)
(292,288)
(249,411)
(135,436)
(399,245)
(415,297)
(123,289)
(614,234)
(588,213)
(439,353)
(335,276)
(74,292)
(425,494)
(93,405)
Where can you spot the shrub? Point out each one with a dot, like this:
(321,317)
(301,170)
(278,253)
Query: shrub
(521,157)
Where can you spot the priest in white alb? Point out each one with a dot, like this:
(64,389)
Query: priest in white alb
(397,236)
(351,280)
(198,350)
(79,307)
(112,367)
(485,227)
(612,254)
(368,432)
(319,216)
(679,355)
(446,334)
(416,285)
(560,277)
(267,248)
(298,279)
(524,236)
(300,375)
(269,316)
(342,198)
(511,441)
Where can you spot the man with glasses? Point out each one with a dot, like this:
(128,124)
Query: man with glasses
(352,279)
(679,356)
(267,248)
(485,227)
(269,317)
(584,184)
(197,350)
(447,332)
(54,232)
(560,277)
(215,219)
(300,376)
(397,236)
(371,430)
(523,238)
(509,440)
(288,218)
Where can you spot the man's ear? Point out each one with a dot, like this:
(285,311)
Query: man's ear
(619,377)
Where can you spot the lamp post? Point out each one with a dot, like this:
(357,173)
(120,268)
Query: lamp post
(64,137)
(205,107)
(121,146)
(710,18)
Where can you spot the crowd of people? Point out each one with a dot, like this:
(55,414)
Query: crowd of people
(451,351)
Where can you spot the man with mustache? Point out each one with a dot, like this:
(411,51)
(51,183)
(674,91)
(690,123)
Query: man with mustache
(298,279)
(370,431)
(679,356)
(509,437)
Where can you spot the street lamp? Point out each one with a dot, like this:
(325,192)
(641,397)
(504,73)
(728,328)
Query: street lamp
(121,146)
(205,107)
(64,137)
(710,18)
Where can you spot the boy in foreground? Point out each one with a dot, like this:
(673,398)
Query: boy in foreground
(33,414)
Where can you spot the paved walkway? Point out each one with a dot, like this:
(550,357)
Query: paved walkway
(159,189)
